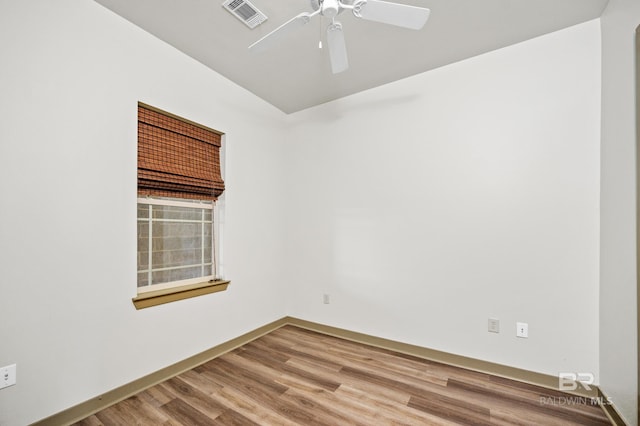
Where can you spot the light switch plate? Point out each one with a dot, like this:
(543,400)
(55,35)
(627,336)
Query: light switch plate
(494,325)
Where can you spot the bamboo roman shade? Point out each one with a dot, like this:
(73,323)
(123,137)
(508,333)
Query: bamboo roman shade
(177,158)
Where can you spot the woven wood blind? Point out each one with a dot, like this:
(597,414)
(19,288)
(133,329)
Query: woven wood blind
(177,158)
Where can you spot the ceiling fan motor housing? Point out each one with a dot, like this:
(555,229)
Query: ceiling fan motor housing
(330,8)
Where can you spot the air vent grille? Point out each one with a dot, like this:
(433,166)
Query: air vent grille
(245,11)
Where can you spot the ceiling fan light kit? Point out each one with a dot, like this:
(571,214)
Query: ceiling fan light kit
(401,15)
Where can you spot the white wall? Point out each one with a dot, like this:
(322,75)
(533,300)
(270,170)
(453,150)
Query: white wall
(72,73)
(428,205)
(618,306)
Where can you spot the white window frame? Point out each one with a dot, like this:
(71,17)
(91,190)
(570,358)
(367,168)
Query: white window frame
(215,248)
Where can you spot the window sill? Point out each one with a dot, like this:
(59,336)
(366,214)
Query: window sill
(167,295)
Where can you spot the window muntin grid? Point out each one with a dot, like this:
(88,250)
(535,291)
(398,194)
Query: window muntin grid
(180,235)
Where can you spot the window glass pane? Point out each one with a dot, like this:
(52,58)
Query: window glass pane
(177,213)
(208,270)
(176,244)
(143,245)
(208,243)
(143,279)
(160,277)
(143,211)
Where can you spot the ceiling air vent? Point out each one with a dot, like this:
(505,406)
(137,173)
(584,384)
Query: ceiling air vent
(245,11)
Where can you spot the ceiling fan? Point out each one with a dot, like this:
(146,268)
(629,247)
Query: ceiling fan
(401,15)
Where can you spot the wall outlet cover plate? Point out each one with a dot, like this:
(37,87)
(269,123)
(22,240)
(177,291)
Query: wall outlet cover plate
(522,329)
(7,376)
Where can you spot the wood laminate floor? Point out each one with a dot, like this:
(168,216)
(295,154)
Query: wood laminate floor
(293,376)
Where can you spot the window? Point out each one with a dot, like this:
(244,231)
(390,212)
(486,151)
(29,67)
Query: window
(175,242)
(179,182)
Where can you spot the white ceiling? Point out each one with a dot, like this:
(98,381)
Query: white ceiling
(297,74)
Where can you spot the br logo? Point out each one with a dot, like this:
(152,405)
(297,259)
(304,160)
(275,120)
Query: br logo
(572,381)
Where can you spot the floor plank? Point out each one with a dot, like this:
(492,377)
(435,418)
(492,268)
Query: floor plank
(185,414)
(293,376)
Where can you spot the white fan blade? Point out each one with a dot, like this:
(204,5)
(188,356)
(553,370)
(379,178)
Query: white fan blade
(279,33)
(337,48)
(401,15)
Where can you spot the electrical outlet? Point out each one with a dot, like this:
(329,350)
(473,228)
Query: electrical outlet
(7,376)
(494,325)
(325,299)
(522,329)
